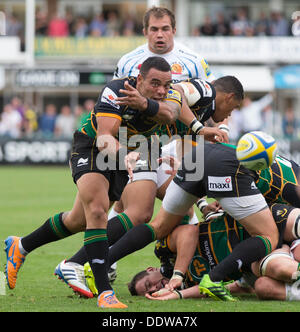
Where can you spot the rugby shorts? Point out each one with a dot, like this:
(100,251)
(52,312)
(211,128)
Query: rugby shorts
(84,160)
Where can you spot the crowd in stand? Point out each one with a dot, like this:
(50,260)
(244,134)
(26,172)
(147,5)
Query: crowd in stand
(20,120)
(110,24)
(241,25)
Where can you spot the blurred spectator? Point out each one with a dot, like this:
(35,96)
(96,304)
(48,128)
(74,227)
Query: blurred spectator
(88,105)
(252,112)
(41,23)
(129,26)
(47,121)
(235,124)
(58,27)
(262,25)
(14,27)
(222,27)
(17,105)
(240,25)
(30,125)
(80,115)
(98,26)
(80,28)
(279,26)
(113,24)
(11,122)
(289,123)
(65,123)
(207,28)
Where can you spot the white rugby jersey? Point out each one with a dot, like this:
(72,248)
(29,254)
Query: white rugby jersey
(184,63)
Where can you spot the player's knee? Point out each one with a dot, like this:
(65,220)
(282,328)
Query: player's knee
(97,212)
(263,288)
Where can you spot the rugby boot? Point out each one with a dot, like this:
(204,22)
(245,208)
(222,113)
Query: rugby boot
(14,260)
(107,299)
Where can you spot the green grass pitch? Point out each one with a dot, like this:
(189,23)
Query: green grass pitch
(30,195)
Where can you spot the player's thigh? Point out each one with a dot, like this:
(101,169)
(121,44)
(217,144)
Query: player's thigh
(164,223)
(262,223)
(93,191)
(139,195)
(253,213)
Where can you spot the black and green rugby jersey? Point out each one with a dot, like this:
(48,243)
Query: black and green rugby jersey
(203,109)
(135,121)
(272,181)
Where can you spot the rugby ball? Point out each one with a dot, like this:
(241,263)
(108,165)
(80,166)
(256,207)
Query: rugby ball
(256,150)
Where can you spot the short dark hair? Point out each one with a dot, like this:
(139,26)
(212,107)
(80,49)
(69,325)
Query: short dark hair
(158,12)
(230,84)
(131,285)
(156,62)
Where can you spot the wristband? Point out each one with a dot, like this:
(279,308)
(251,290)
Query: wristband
(175,291)
(224,127)
(152,107)
(178,275)
(196,126)
(202,203)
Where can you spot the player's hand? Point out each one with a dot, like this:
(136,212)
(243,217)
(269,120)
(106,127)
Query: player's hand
(130,161)
(132,98)
(212,207)
(214,135)
(173,284)
(173,162)
(162,295)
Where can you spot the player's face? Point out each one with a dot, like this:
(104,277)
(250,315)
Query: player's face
(160,34)
(155,84)
(224,106)
(151,283)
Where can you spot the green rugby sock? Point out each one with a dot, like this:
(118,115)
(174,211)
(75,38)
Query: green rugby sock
(117,227)
(52,230)
(135,239)
(245,253)
(96,246)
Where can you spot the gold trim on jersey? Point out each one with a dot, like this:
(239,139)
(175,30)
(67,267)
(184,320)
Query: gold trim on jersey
(109,115)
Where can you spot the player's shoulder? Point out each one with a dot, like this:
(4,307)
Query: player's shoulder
(134,55)
(185,51)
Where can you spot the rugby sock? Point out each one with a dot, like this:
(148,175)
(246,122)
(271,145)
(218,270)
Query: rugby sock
(245,253)
(135,239)
(52,230)
(96,246)
(116,228)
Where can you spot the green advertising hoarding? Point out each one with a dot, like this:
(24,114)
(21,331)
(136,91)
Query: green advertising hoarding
(106,47)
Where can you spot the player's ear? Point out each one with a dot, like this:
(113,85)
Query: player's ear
(230,96)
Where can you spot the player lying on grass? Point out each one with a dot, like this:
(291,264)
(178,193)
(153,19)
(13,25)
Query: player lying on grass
(275,277)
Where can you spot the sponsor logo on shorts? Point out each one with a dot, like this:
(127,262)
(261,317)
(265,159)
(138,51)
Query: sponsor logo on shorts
(82,162)
(219,183)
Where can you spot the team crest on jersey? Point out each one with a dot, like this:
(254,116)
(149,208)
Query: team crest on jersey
(174,95)
(176,68)
(109,97)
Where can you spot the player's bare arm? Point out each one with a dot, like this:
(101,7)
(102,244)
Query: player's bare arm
(167,111)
